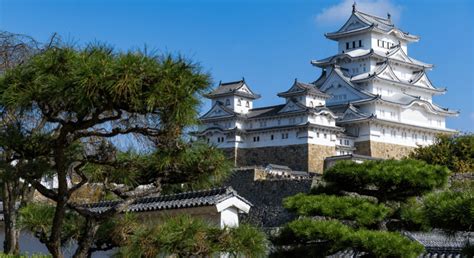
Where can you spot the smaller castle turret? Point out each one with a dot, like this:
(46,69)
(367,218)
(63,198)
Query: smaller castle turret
(236,96)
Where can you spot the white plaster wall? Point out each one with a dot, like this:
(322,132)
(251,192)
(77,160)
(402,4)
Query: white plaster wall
(340,94)
(404,46)
(322,120)
(242,108)
(387,112)
(322,137)
(230,218)
(401,136)
(281,137)
(366,42)
(402,72)
(387,38)
(356,67)
(390,88)
(417,115)
(312,101)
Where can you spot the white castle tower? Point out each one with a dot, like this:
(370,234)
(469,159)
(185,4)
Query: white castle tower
(371,99)
(382,96)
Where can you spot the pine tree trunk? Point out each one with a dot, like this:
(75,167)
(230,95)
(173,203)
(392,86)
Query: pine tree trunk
(54,242)
(12,234)
(86,239)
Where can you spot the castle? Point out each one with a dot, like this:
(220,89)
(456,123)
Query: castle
(371,99)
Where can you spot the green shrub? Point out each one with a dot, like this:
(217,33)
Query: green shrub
(387,179)
(338,237)
(450,210)
(456,152)
(385,244)
(363,211)
(38,218)
(186,236)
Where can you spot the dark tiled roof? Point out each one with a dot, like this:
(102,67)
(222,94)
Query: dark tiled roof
(372,22)
(265,111)
(437,240)
(351,156)
(382,23)
(232,88)
(174,201)
(299,87)
(436,243)
(279,167)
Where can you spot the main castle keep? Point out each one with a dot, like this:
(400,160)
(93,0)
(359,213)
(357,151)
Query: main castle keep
(371,99)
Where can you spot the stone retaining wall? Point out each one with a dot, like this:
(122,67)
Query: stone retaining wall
(382,150)
(293,156)
(267,197)
(302,157)
(317,154)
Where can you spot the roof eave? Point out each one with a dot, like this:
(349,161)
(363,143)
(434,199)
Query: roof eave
(338,35)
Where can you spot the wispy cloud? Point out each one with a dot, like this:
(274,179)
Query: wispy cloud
(338,13)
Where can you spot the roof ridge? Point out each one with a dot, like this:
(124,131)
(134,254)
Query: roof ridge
(200,191)
(232,82)
(266,107)
(389,22)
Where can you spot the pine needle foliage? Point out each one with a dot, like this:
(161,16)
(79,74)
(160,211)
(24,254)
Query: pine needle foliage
(362,210)
(387,180)
(361,207)
(80,102)
(185,236)
(338,236)
(450,210)
(38,218)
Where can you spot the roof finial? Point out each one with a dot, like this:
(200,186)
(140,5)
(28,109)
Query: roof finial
(389,17)
(243,79)
(296,80)
(220,82)
(354,6)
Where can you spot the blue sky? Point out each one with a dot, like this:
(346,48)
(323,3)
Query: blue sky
(270,43)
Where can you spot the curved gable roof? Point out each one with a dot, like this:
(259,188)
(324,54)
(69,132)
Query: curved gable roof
(299,88)
(370,22)
(218,110)
(239,88)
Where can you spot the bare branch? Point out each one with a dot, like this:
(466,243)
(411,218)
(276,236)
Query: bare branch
(76,168)
(43,190)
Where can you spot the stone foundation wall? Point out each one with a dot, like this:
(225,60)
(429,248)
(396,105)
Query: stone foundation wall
(293,156)
(302,157)
(362,148)
(317,154)
(266,197)
(382,150)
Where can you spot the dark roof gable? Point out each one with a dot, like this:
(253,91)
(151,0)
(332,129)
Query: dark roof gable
(232,88)
(299,88)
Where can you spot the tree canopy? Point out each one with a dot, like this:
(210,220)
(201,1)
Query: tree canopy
(67,107)
(358,206)
(456,152)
